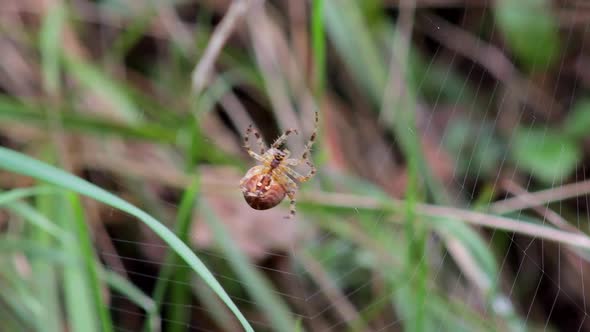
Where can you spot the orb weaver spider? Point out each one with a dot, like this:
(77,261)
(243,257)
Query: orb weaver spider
(266,185)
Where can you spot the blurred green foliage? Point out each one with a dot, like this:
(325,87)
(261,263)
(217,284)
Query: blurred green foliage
(548,155)
(531,31)
(386,264)
(577,121)
(465,139)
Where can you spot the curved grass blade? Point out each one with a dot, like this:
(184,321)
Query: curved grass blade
(20,193)
(88,256)
(37,219)
(259,288)
(179,289)
(22,164)
(18,300)
(80,310)
(32,248)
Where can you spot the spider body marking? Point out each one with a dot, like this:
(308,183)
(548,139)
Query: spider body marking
(262,189)
(266,185)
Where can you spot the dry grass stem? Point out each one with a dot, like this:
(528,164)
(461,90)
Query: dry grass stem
(540,198)
(467,263)
(433,211)
(547,214)
(272,56)
(178,179)
(396,87)
(506,224)
(341,304)
(202,73)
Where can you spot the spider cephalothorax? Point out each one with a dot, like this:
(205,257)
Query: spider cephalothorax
(266,185)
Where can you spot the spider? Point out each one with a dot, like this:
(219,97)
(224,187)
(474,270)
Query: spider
(266,185)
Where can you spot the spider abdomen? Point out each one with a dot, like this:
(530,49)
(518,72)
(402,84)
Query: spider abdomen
(261,191)
(266,185)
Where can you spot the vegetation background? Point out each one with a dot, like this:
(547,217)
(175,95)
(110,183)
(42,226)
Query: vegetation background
(451,192)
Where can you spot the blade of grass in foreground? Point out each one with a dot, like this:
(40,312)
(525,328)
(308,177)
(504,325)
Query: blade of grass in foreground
(18,163)
(80,305)
(37,219)
(86,251)
(180,290)
(43,281)
(17,299)
(20,193)
(9,320)
(51,254)
(60,258)
(46,274)
(258,286)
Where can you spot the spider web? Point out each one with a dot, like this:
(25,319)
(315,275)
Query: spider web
(524,276)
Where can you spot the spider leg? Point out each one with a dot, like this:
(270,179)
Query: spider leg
(277,143)
(305,156)
(312,171)
(309,144)
(291,190)
(292,210)
(296,175)
(295,162)
(259,140)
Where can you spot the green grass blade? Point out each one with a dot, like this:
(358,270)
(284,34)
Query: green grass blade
(219,314)
(180,290)
(18,298)
(46,271)
(258,287)
(128,38)
(109,89)
(476,247)
(34,249)
(33,115)
(318,40)
(80,309)
(88,255)
(50,46)
(37,219)
(352,39)
(136,296)
(8,316)
(20,193)
(21,164)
